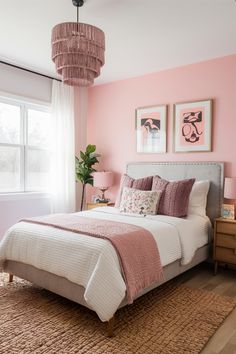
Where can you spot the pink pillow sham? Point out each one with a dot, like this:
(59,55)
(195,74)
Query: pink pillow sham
(144,184)
(175,196)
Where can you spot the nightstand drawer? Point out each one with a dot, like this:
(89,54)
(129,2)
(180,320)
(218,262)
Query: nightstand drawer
(95,205)
(226,240)
(227,255)
(226,228)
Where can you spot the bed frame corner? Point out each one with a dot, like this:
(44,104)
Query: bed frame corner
(110,327)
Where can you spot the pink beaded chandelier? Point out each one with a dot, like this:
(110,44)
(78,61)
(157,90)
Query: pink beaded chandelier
(78,51)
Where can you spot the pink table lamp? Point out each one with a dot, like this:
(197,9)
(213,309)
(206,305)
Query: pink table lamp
(230,193)
(103,180)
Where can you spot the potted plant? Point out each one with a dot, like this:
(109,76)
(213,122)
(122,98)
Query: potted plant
(84,168)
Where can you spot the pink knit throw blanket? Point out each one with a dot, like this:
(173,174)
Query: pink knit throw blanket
(135,246)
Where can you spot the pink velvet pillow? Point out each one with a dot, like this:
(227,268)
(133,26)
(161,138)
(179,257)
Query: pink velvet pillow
(175,196)
(144,184)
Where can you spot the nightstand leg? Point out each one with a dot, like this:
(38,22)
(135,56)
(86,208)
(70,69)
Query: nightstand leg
(10,278)
(216,267)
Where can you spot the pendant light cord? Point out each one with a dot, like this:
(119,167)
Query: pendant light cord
(77,20)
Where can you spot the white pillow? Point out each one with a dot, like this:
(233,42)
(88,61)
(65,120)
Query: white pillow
(139,202)
(198,198)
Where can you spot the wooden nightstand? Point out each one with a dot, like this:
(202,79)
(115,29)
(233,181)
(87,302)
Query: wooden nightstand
(224,241)
(96,205)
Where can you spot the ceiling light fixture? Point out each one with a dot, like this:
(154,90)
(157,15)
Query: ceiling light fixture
(78,51)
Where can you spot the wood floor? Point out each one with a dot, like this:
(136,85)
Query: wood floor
(224,283)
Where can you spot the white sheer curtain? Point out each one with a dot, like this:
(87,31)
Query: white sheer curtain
(63,159)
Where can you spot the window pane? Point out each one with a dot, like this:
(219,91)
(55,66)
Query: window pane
(9,169)
(39,128)
(9,124)
(38,166)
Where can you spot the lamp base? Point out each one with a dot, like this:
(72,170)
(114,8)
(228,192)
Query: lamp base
(102,199)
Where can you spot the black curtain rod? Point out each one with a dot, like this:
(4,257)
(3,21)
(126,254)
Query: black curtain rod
(28,70)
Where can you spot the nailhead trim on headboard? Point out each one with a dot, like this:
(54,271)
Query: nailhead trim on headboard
(201,170)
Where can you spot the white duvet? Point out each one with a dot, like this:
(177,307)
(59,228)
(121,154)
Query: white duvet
(92,262)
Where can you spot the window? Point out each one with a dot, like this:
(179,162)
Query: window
(25,146)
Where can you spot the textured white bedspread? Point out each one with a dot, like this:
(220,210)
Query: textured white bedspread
(92,262)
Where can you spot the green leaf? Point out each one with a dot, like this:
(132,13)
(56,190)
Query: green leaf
(82,155)
(93,160)
(90,148)
(84,165)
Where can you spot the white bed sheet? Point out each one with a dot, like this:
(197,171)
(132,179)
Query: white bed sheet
(92,262)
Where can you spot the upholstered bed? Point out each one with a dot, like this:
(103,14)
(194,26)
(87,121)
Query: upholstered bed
(212,171)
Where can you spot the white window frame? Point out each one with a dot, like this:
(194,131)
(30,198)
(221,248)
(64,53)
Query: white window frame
(24,104)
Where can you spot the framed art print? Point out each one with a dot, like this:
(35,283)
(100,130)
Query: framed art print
(227,211)
(151,129)
(192,126)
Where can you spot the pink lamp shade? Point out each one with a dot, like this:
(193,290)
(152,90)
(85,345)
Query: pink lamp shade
(230,188)
(103,180)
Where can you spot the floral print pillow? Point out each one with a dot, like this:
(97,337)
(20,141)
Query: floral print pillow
(139,202)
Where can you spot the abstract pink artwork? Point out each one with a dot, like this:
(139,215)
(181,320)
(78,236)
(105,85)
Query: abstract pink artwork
(192,122)
(151,129)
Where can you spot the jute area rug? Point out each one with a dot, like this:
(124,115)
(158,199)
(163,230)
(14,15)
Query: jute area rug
(172,319)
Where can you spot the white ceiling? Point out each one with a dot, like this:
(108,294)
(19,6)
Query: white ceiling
(141,36)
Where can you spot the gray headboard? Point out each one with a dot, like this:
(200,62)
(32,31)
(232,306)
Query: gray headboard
(212,171)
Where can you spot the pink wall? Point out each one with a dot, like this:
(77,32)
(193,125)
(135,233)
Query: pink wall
(111,113)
